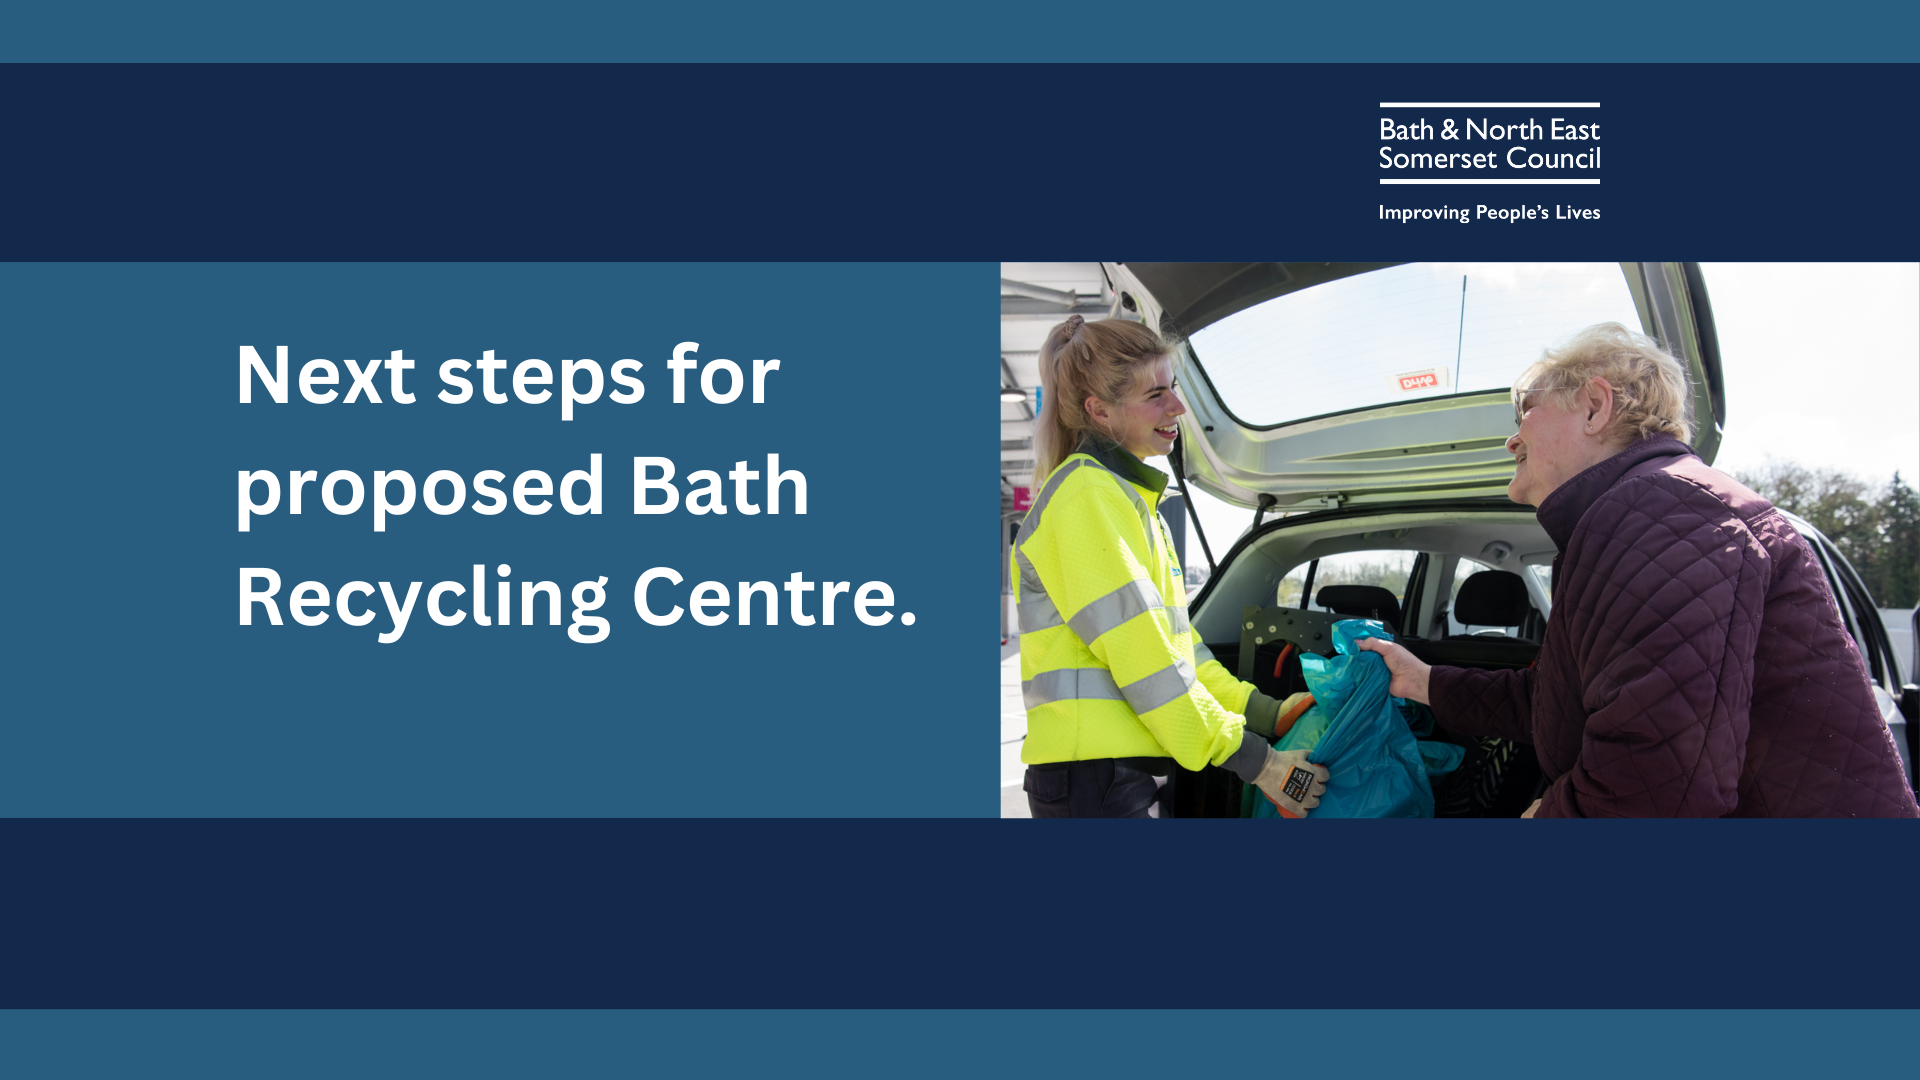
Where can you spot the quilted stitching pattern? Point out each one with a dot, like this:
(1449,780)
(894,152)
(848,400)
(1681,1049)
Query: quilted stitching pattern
(1695,662)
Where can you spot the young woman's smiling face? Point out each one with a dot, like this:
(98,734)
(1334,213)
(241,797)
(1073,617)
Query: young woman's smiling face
(1144,423)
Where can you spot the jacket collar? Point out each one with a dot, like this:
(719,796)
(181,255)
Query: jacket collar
(1122,463)
(1569,502)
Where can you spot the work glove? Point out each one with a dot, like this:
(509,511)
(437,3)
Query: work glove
(1291,782)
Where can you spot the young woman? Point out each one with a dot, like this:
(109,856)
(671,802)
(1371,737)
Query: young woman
(1116,687)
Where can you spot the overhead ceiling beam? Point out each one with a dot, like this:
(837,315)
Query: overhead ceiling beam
(1039,292)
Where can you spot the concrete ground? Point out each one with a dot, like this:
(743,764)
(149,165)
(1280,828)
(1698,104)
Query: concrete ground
(1013,731)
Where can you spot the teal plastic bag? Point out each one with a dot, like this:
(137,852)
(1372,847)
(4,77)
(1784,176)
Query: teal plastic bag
(1374,763)
(1441,758)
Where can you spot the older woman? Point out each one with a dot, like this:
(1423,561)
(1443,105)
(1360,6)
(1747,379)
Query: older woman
(1695,663)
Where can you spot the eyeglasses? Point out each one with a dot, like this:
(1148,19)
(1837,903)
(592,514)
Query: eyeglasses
(1520,406)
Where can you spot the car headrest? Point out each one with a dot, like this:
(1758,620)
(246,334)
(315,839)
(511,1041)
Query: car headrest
(1492,598)
(1361,602)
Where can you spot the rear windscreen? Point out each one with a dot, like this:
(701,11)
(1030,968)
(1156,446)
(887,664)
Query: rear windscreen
(1403,333)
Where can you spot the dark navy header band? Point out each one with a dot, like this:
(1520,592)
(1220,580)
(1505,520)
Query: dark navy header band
(950,162)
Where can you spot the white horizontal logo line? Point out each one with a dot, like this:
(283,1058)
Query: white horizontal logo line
(1450,181)
(1489,104)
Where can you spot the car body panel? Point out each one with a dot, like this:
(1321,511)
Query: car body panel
(1861,616)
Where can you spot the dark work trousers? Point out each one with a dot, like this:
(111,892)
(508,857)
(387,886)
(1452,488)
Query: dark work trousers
(1103,788)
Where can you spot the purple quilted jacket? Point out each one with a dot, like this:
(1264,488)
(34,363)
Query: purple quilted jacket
(1695,663)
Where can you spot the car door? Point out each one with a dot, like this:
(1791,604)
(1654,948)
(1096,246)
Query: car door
(1861,616)
(1318,385)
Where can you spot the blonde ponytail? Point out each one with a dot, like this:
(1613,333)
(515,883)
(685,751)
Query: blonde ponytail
(1079,360)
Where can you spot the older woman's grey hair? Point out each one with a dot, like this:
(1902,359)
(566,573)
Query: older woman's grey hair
(1650,388)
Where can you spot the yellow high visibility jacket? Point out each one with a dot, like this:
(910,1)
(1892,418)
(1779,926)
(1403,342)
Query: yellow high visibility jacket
(1108,662)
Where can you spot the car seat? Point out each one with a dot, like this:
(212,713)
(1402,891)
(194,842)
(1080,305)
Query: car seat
(1492,598)
(1362,602)
(1488,598)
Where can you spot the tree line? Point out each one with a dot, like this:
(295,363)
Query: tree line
(1876,528)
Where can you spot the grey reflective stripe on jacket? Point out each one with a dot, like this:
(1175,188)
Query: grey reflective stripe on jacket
(1070,684)
(1037,611)
(1037,614)
(1136,597)
(1168,684)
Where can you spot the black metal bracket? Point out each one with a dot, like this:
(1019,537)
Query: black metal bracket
(1307,631)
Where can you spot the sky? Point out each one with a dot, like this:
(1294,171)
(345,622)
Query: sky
(1821,364)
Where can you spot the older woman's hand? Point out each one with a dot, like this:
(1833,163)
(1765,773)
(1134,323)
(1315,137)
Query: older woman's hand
(1409,674)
